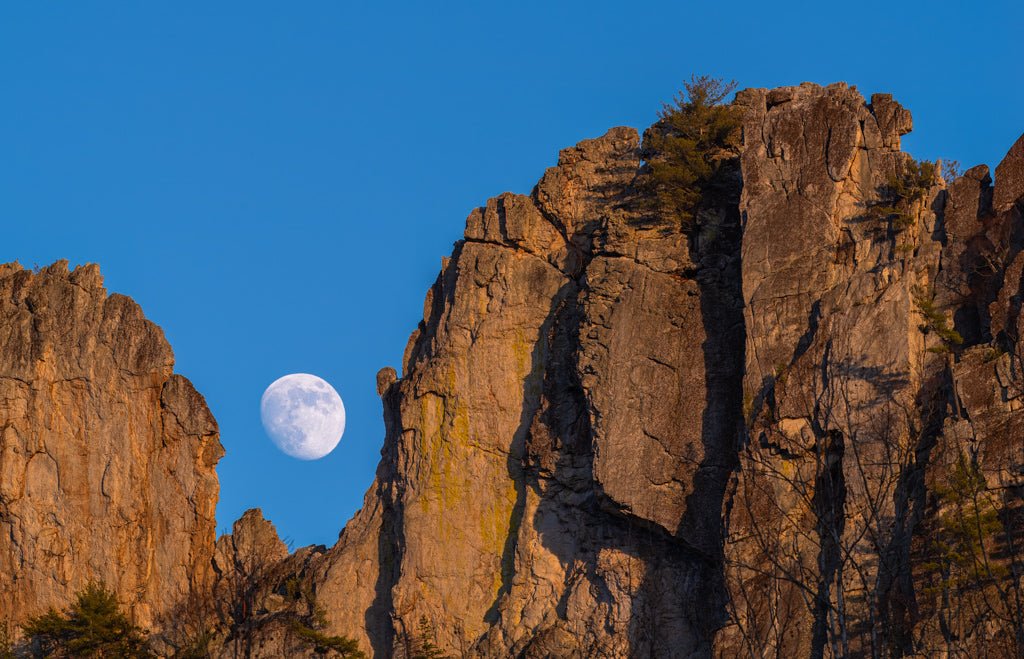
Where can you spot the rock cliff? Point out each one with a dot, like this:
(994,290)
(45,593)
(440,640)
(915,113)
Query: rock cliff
(106,456)
(790,428)
(616,437)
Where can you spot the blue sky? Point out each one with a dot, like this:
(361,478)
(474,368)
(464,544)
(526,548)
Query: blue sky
(276,183)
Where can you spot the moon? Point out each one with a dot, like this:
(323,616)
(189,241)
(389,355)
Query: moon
(303,415)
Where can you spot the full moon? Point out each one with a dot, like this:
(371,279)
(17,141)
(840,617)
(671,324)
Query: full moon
(303,415)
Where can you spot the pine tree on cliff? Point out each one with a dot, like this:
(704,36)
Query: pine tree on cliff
(690,152)
(311,632)
(419,645)
(94,626)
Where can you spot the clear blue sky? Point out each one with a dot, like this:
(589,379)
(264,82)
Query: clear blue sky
(276,183)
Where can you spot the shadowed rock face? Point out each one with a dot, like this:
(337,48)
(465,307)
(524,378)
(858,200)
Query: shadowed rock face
(106,456)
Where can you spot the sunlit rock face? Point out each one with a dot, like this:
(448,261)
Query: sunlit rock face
(834,359)
(560,441)
(106,456)
(542,492)
(611,436)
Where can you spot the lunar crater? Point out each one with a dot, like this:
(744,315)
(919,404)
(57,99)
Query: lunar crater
(303,415)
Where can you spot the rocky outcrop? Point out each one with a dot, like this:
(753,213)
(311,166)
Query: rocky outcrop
(875,391)
(615,436)
(263,600)
(512,511)
(835,362)
(106,456)
(543,491)
(789,428)
(487,431)
(1010,179)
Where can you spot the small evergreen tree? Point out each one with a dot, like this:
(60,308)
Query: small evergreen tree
(935,321)
(419,645)
(428,648)
(311,633)
(971,588)
(309,626)
(967,520)
(6,646)
(690,152)
(901,192)
(94,626)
